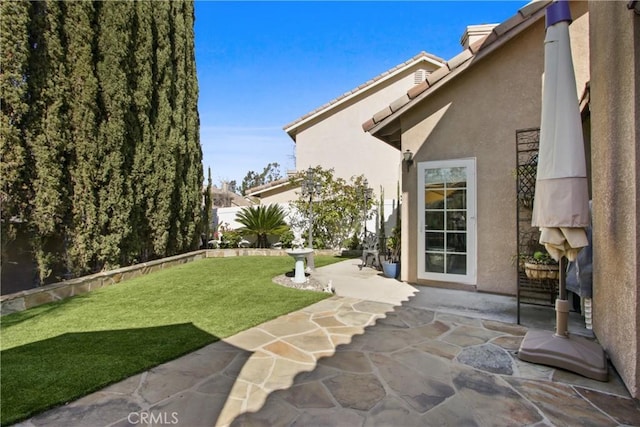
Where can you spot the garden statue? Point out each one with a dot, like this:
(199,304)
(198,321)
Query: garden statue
(297,242)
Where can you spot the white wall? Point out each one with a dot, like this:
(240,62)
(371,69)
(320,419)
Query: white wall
(227,216)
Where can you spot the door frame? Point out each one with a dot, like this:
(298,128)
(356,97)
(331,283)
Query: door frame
(471,223)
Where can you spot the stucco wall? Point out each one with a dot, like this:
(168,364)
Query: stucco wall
(476,115)
(615,143)
(338,142)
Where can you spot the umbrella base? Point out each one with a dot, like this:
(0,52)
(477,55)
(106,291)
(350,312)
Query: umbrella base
(575,354)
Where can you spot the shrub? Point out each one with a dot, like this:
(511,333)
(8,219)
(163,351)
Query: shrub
(286,239)
(262,221)
(230,239)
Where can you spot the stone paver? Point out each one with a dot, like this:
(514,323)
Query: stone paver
(352,362)
(487,357)
(575,410)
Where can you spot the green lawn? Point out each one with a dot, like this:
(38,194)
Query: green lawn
(58,352)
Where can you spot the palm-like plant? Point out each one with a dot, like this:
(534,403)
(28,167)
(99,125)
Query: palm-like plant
(262,221)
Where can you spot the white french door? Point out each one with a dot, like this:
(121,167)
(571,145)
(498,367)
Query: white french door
(447,221)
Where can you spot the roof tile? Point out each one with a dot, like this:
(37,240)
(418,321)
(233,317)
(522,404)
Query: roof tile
(382,114)
(477,45)
(532,7)
(490,38)
(368,125)
(460,58)
(399,103)
(417,89)
(508,24)
(437,75)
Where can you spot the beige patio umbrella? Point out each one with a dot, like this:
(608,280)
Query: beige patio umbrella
(561,204)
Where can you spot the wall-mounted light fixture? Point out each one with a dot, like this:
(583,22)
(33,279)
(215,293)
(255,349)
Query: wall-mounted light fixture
(407,157)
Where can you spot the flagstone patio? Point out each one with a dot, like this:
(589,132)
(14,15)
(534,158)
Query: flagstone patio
(352,362)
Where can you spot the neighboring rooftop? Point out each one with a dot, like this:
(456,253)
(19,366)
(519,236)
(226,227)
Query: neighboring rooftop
(282,183)
(227,197)
(421,57)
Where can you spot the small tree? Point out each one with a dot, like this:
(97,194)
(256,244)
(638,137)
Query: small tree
(395,241)
(262,221)
(206,214)
(337,209)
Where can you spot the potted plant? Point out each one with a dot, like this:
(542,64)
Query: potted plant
(391,264)
(541,265)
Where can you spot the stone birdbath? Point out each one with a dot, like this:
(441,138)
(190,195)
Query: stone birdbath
(299,254)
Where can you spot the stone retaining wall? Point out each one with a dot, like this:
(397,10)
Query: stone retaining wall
(20,301)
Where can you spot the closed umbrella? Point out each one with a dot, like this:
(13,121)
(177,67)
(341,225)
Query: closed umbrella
(561,204)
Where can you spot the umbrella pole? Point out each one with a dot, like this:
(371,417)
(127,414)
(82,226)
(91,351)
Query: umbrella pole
(562,304)
(573,353)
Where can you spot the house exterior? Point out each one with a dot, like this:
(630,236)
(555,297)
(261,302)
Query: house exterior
(614,40)
(460,128)
(464,118)
(331,137)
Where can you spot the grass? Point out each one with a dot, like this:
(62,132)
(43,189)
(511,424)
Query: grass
(58,352)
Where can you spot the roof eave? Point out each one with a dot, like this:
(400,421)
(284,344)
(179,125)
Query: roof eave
(291,182)
(385,129)
(292,128)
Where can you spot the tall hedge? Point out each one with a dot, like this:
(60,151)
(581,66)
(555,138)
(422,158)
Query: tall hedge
(83,123)
(16,166)
(101,158)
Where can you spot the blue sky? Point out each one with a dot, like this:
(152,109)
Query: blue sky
(261,65)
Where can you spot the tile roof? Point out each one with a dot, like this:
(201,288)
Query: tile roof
(282,183)
(422,56)
(226,198)
(503,32)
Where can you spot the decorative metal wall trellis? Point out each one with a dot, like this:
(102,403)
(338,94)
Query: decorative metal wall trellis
(532,291)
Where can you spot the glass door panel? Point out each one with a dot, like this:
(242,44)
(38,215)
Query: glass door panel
(447,238)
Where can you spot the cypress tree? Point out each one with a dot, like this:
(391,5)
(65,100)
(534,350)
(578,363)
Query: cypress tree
(99,126)
(16,166)
(188,173)
(48,137)
(143,188)
(195,174)
(114,194)
(83,114)
(162,177)
(177,135)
